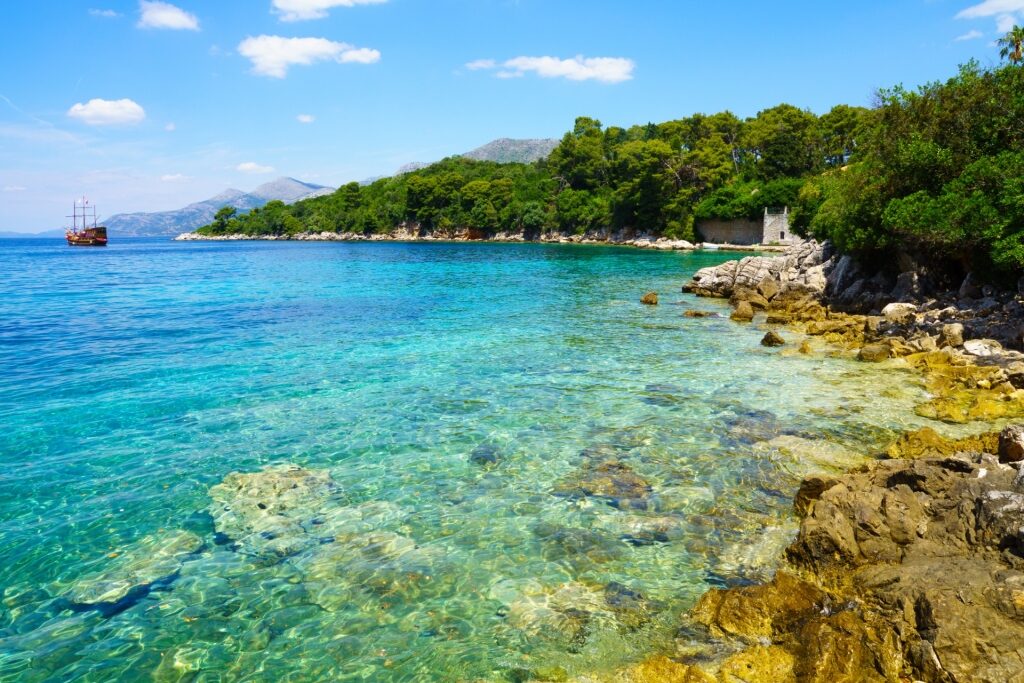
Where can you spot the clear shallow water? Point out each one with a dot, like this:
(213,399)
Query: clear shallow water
(133,379)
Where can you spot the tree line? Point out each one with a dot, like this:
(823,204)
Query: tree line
(937,169)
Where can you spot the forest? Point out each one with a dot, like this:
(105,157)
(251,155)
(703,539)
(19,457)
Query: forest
(935,170)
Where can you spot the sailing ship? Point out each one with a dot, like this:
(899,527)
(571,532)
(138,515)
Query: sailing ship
(84,235)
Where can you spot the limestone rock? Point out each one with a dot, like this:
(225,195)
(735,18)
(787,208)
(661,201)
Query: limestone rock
(744,312)
(1011,443)
(756,612)
(649,299)
(772,338)
(927,443)
(759,664)
(982,347)
(952,334)
(899,313)
(699,314)
(873,353)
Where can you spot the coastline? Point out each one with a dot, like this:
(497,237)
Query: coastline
(598,239)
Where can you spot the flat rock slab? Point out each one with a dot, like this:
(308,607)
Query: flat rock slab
(150,560)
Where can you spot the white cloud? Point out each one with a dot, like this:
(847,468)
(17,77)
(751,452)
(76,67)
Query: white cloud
(970,35)
(14,188)
(991,8)
(299,10)
(1005,23)
(305,118)
(273,55)
(253,167)
(579,68)
(97,112)
(173,177)
(170,127)
(105,13)
(156,14)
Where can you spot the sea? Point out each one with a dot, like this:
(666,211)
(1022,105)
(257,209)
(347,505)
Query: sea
(511,469)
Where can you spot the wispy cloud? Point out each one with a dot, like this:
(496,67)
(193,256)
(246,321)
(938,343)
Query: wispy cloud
(253,167)
(173,177)
(579,68)
(273,55)
(156,14)
(305,118)
(170,127)
(99,112)
(1008,13)
(300,10)
(105,13)
(991,8)
(973,34)
(14,188)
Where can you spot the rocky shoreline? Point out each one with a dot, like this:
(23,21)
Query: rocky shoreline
(910,567)
(624,239)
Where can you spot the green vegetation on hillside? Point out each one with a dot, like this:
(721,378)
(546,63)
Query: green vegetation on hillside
(939,169)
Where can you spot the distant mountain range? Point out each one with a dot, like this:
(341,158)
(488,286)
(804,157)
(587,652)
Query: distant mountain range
(288,190)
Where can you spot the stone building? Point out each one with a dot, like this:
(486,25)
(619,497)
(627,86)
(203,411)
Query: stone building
(773,228)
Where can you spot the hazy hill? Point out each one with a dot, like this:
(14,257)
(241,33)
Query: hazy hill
(502,151)
(507,150)
(198,214)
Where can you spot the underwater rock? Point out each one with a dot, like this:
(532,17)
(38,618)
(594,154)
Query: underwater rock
(807,456)
(576,544)
(485,454)
(274,512)
(151,560)
(611,480)
(562,612)
(692,313)
(631,607)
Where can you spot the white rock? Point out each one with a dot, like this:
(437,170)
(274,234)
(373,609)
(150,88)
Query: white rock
(899,312)
(982,347)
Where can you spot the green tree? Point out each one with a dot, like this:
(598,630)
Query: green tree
(1011,46)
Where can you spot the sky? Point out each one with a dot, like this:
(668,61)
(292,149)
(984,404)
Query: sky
(147,105)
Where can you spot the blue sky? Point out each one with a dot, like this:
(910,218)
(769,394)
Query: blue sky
(147,106)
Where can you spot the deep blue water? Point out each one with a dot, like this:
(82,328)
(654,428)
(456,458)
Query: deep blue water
(135,378)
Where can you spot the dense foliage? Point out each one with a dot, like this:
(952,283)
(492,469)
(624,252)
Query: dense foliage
(941,172)
(939,169)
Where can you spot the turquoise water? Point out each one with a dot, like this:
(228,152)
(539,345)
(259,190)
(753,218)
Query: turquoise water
(461,409)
